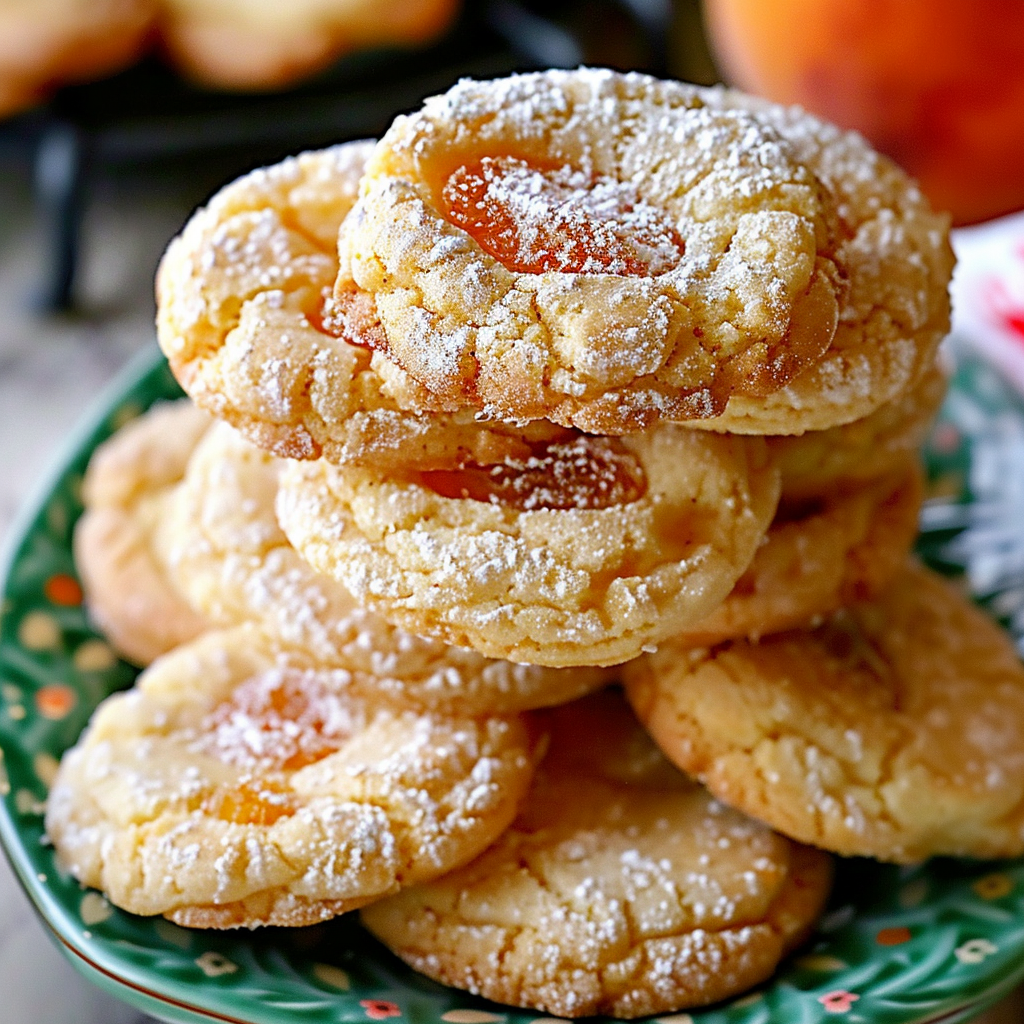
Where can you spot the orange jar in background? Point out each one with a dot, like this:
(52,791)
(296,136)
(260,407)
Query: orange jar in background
(938,85)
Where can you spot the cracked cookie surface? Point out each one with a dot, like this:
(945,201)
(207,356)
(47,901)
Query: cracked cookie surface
(646,897)
(238,786)
(594,248)
(118,554)
(895,730)
(236,45)
(515,574)
(227,553)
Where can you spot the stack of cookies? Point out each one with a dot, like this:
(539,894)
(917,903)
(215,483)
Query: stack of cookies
(574,384)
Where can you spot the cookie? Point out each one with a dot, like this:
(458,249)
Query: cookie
(583,555)
(821,553)
(238,786)
(864,449)
(606,249)
(245,318)
(895,730)
(126,489)
(228,555)
(239,44)
(646,897)
(594,248)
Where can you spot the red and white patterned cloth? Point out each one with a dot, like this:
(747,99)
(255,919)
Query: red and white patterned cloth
(988,293)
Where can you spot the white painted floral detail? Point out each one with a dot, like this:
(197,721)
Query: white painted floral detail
(94,908)
(213,964)
(975,950)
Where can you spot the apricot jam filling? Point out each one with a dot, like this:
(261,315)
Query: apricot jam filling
(583,472)
(277,721)
(534,219)
(251,804)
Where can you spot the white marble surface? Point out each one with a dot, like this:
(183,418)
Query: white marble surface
(50,370)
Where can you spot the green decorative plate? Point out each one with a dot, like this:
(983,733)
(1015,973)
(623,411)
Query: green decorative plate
(936,942)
